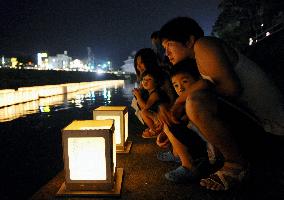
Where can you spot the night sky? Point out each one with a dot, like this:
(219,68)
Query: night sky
(112,28)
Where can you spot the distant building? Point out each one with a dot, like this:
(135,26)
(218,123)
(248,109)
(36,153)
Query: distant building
(42,60)
(4,62)
(78,65)
(128,66)
(59,62)
(14,62)
(90,58)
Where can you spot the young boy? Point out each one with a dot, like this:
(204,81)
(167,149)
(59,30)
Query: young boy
(187,144)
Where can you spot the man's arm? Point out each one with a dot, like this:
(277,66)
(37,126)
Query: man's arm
(178,108)
(213,61)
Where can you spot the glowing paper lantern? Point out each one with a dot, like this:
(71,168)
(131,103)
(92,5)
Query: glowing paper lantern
(90,159)
(120,116)
(7,97)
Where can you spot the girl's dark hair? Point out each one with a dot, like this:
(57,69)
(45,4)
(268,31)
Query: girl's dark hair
(148,57)
(187,66)
(180,29)
(156,74)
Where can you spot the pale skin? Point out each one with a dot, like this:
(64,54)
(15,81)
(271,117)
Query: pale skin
(215,60)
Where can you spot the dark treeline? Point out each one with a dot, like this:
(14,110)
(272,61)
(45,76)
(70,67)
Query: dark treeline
(269,55)
(240,20)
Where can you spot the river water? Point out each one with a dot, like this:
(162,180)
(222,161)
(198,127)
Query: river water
(31,135)
(100,95)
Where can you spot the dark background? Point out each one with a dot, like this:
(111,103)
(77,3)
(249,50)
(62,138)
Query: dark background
(112,28)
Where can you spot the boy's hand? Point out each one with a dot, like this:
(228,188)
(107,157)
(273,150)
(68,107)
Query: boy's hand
(166,116)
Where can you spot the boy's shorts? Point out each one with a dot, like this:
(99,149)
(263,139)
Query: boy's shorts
(196,146)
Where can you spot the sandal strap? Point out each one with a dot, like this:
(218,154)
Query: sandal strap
(215,178)
(152,132)
(227,178)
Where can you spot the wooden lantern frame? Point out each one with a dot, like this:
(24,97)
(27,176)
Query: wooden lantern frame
(121,111)
(92,129)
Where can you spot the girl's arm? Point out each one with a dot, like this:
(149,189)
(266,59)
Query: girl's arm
(153,98)
(145,104)
(137,94)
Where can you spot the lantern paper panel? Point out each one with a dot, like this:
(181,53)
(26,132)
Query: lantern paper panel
(89,155)
(120,115)
(80,150)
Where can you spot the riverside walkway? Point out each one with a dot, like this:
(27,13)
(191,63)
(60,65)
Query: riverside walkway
(144,175)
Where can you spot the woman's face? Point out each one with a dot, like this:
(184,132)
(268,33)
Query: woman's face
(176,51)
(140,65)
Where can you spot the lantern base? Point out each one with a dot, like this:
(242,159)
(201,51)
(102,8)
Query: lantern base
(126,149)
(115,192)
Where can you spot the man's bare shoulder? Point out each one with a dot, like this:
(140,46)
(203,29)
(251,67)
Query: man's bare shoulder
(207,42)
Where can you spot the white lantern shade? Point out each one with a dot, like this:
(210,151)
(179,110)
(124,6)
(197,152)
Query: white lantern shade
(120,116)
(89,155)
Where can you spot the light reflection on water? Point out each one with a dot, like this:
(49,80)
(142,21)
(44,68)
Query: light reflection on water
(101,95)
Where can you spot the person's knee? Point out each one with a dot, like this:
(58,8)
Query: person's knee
(200,104)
